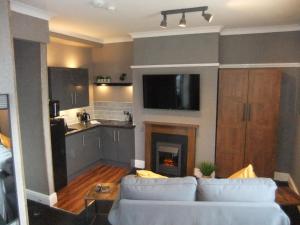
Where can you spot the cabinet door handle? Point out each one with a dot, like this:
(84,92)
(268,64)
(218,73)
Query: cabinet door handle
(75,97)
(83,140)
(118,136)
(249,112)
(72,99)
(114,136)
(99,143)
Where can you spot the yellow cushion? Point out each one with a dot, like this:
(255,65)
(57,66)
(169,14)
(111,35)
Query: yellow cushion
(148,174)
(246,172)
(6,141)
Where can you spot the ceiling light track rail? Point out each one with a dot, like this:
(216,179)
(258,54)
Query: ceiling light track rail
(186,10)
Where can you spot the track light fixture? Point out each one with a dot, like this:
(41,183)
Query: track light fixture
(163,23)
(182,23)
(207,16)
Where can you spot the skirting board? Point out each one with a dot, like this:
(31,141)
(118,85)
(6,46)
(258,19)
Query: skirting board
(139,164)
(49,200)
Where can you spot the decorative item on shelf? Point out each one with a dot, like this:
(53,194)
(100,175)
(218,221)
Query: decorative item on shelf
(206,169)
(107,79)
(123,76)
(99,79)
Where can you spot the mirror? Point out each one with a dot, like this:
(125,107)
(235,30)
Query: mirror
(8,197)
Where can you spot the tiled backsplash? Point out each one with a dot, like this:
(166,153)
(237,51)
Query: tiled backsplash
(112,110)
(70,115)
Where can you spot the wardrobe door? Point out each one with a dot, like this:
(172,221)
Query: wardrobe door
(262,125)
(231,122)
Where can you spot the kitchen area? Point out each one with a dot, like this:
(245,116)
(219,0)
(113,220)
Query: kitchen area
(90,107)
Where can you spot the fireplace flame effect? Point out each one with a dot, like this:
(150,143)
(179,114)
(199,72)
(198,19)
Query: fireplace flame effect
(169,162)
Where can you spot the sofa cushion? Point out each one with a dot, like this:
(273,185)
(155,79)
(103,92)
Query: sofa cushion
(171,189)
(236,190)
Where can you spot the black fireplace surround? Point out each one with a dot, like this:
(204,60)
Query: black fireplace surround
(169,154)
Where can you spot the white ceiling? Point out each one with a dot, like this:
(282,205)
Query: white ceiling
(80,17)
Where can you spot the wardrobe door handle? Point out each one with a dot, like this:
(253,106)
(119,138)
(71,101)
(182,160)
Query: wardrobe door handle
(249,112)
(245,112)
(99,142)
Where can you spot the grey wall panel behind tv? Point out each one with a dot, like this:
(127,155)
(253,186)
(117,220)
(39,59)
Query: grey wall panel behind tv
(180,49)
(278,47)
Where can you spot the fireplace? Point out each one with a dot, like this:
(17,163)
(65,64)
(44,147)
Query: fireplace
(170,148)
(169,154)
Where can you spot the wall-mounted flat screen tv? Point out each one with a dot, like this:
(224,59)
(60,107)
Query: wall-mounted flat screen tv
(172,91)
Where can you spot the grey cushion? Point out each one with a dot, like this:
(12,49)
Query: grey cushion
(236,190)
(170,189)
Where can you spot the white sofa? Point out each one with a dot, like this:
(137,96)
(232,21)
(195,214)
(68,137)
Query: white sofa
(187,201)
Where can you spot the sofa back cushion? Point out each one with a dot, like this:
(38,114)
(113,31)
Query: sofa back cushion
(171,189)
(236,190)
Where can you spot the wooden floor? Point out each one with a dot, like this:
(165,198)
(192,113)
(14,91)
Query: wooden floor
(287,197)
(71,197)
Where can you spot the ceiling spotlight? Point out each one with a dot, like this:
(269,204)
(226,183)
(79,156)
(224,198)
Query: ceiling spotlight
(163,23)
(207,16)
(182,22)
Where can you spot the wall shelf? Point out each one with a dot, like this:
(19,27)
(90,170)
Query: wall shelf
(113,84)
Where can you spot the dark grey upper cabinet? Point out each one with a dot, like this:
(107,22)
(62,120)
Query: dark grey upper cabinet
(69,86)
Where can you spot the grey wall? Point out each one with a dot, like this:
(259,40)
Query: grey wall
(4,122)
(200,48)
(195,48)
(113,60)
(8,86)
(278,47)
(28,73)
(29,28)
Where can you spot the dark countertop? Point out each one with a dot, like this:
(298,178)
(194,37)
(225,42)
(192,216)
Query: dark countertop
(79,127)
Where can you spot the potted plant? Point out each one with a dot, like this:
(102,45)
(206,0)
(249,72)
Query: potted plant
(207,168)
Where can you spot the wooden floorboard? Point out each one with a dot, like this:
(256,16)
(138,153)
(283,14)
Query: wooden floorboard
(71,197)
(287,197)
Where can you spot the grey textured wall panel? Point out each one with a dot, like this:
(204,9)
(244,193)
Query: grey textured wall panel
(29,28)
(181,49)
(28,72)
(288,119)
(260,48)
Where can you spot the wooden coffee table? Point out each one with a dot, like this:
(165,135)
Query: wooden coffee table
(92,196)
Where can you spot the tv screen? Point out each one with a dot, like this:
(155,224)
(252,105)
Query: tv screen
(173,91)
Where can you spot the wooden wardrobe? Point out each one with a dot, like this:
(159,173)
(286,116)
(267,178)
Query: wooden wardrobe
(247,122)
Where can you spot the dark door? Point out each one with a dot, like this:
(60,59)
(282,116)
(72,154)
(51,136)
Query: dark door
(80,80)
(125,138)
(109,143)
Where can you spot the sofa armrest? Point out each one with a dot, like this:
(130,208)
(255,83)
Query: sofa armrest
(137,212)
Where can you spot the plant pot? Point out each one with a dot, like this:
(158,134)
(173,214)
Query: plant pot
(206,177)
